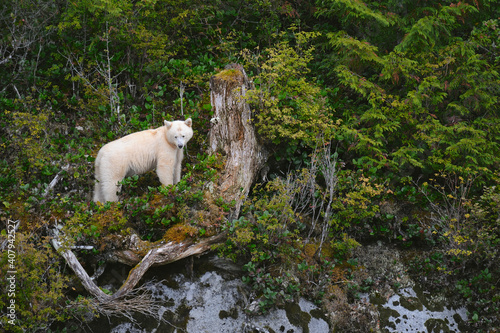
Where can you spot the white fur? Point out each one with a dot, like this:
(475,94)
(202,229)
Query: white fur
(138,153)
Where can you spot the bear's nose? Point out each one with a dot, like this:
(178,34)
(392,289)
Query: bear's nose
(180,145)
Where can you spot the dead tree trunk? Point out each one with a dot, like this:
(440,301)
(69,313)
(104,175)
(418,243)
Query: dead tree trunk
(233,134)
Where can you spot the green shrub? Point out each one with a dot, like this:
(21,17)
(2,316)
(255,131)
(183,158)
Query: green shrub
(288,235)
(40,284)
(28,131)
(480,248)
(289,108)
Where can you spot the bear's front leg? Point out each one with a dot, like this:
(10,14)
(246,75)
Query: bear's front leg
(165,170)
(178,166)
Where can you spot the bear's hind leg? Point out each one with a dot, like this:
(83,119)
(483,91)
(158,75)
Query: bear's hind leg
(109,190)
(98,192)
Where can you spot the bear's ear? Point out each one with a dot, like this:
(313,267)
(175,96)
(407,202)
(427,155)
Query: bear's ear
(188,122)
(168,124)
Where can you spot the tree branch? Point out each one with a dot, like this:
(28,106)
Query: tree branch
(162,254)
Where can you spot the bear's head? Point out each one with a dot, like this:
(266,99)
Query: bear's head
(179,132)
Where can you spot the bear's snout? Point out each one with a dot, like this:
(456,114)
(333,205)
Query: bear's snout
(180,145)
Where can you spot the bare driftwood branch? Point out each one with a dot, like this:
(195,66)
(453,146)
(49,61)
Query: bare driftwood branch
(160,255)
(80,272)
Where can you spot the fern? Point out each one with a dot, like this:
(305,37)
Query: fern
(434,29)
(350,10)
(354,52)
(357,82)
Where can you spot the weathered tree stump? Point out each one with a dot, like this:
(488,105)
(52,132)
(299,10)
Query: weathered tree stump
(233,134)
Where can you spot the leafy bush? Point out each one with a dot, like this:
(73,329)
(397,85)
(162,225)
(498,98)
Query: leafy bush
(480,248)
(448,197)
(290,108)
(39,281)
(28,135)
(286,237)
(469,252)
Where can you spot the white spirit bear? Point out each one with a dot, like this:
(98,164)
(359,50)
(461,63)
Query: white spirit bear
(138,153)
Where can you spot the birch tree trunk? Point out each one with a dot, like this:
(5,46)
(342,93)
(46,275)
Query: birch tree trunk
(233,134)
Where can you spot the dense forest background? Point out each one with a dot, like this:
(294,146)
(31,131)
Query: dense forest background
(390,109)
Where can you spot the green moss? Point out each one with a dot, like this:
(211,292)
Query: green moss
(297,317)
(179,233)
(230,75)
